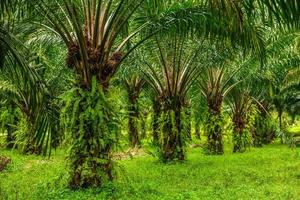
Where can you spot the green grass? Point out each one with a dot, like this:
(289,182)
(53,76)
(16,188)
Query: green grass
(295,130)
(272,172)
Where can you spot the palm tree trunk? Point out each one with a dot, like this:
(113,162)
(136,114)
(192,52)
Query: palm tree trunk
(264,131)
(293,118)
(189,125)
(133,133)
(261,125)
(144,125)
(155,120)
(239,145)
(197,129)
(239,122)
(180,138)
(91,152)
(88,159)
(280,125)
(173,141)
(215,138)
(133,92)
(280,120)
(31,145)
(10,138)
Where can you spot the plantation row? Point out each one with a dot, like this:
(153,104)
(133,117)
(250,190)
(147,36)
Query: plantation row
(75,73)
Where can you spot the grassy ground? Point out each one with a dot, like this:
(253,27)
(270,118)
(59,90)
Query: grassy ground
(295,130)
(272,172)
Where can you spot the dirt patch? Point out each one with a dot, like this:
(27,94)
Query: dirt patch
(197,146)
(30,163)
(4,161)
(130,153)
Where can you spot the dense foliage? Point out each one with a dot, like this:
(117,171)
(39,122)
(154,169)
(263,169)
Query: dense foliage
(96,77)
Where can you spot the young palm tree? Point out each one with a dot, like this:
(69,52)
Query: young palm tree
(240,103)
(9,114)
(214,87)
(171,76)
(134,86)
(29,93)
(282,61)
(292,84)
(263,131)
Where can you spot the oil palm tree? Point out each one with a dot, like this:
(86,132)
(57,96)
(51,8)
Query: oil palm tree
(264,129)
(280,68)
(240,103)
(284,13)
(9,114)
(134,86)
(270,83)
(131,80)
(216,83)
(156,107)
(93,32)
(171,75)
(29,93)
(97,35)
(292,82)
(96,32)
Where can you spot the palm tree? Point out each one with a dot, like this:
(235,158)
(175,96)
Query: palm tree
(215,86)
(284,13)
(9,114)
(269,82)
(134,86)
(240,103)
(93,32)
(97,34)
(131,80)
(28,92)
(264,130)
(280,67)
(171,75)
(292,84)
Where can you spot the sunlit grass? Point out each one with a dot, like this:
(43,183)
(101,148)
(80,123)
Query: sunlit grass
(272,172)
(295,129)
